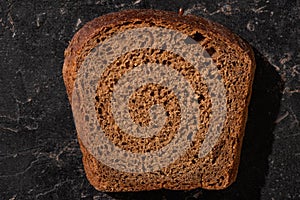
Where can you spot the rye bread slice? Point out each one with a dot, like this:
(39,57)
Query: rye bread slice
(234,60)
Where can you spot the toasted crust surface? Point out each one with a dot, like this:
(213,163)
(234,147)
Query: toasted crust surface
(235,61)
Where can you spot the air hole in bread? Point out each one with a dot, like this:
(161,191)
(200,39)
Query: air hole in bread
(201,98)
(214,160)
(198,37)
(126,23)
(107,29)
(137,22)
(211,51)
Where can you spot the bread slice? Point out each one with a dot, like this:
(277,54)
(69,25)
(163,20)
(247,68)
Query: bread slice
(234,61)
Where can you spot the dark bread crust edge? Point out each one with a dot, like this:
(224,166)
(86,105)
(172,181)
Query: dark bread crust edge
(94,27)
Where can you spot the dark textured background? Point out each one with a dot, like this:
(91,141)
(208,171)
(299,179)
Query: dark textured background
(39,153)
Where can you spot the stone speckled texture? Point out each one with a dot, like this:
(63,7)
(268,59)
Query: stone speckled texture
(39,152)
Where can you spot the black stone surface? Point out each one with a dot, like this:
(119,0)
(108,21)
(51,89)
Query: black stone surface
(39,153)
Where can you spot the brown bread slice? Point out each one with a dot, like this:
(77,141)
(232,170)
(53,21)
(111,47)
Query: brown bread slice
(235,62)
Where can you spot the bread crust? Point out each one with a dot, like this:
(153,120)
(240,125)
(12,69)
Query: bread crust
(96,172)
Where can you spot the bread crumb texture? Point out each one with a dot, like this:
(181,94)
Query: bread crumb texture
(235,63)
